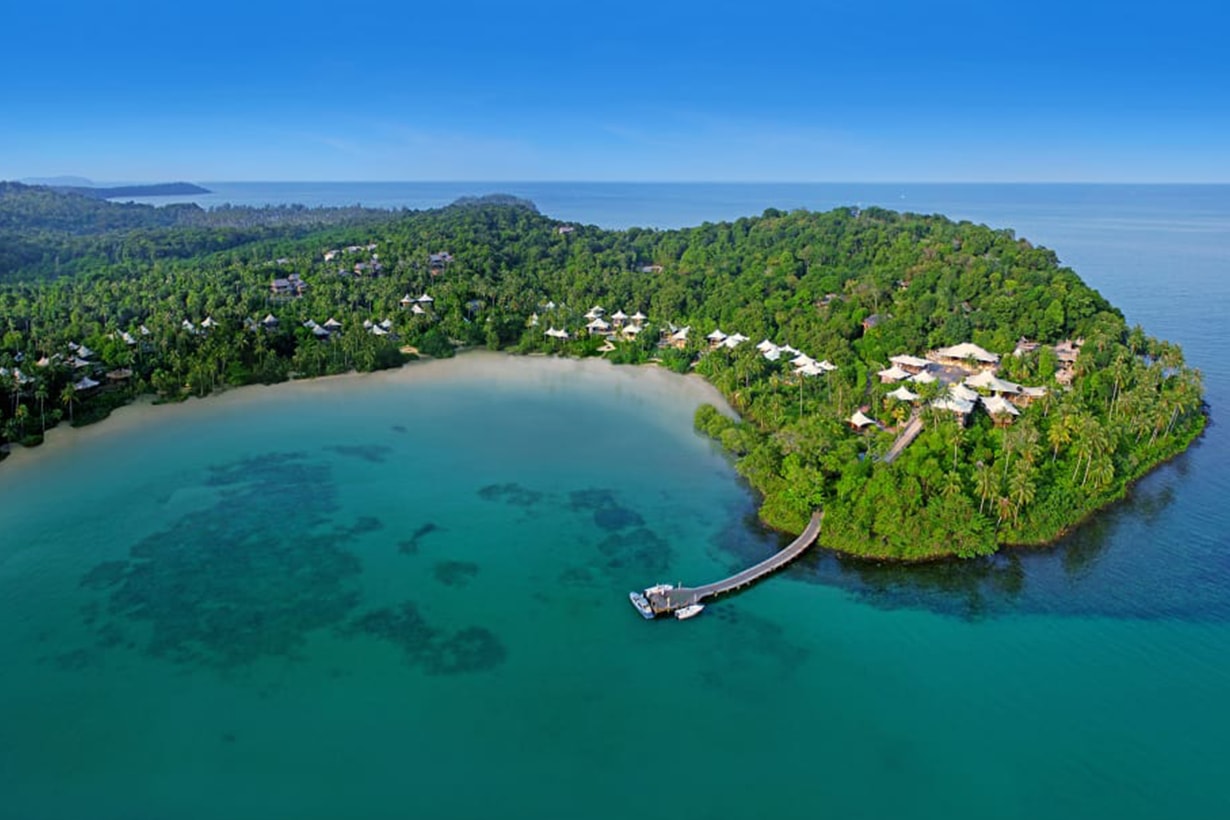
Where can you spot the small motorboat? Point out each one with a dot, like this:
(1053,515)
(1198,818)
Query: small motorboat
(642,605)
(689,611)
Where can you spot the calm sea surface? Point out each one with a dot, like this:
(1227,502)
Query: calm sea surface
(405,595)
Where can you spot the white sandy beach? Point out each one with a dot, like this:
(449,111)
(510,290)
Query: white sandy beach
(653,383)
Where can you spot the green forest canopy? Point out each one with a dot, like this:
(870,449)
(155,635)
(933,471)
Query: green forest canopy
(850,286)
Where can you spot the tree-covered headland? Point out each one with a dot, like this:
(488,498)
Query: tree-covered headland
(182,301)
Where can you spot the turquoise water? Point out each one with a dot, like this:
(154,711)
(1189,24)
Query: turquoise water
(404,596)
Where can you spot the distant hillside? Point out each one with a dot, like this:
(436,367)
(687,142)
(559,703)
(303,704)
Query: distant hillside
(160,189)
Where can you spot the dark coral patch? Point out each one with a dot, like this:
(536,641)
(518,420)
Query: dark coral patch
(455,573)
(469,650)
(608,513)
(410,546)
(374,453)
(510,493)
(248,578)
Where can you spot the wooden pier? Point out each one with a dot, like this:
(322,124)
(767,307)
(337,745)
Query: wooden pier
(664,602)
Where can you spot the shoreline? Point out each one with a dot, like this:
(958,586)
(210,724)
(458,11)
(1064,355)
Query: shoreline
(63,440)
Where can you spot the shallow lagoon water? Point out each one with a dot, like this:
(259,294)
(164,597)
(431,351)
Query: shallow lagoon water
(405,595)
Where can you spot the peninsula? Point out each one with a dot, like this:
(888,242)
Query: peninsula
(936,388)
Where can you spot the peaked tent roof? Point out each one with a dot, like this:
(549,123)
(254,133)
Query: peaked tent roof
(903,393)
(860,421)
(998,406)
(909,361)
(893,374)
(968,350)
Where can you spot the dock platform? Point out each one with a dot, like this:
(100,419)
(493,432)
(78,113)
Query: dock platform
(665,601)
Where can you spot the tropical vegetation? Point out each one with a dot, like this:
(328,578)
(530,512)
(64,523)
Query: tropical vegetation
(176,302)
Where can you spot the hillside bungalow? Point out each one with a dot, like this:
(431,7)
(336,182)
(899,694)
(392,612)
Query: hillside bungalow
(892,374)
(772,353)
(599,326)
(85,384)
(595,312)
(734,340)
(1067,351)
(716,338)
(861,422)
(565,229)
(651,268)
(1000,409)
(872,321)
(966,355)
(638,317)
(903,393)
(270,321)
(1028,395)
(619,317)
(910,364)
(923,378)
(986,380)
(631,331)
(679,339)
(556,334)
(961,408)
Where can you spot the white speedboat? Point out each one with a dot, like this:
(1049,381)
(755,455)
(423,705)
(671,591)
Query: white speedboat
(642,605)
(689,611)
(659,588)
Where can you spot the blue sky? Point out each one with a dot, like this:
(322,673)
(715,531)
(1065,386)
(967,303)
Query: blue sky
(463,90)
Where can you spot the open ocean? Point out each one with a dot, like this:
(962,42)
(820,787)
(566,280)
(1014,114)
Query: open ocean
(405,595)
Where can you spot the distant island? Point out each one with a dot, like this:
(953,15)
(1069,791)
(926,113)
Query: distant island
(160,189)
(937,388)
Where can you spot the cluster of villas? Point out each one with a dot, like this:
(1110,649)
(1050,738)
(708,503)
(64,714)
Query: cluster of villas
(617,325)
(968,375)
(81,360)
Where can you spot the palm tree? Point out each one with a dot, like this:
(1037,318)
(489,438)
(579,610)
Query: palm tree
(984,477)
(68,396)
(41,393)
(1021,488)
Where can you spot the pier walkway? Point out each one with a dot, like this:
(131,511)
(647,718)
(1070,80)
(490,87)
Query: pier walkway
(907,436)
(669,600)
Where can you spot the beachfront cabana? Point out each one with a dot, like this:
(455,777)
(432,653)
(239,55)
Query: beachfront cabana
(556,334)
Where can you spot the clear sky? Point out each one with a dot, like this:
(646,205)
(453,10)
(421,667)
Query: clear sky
(874,90)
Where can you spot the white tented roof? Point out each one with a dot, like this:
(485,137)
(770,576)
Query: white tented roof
(960,406)
(998,406)
(893,374)
(909,361)
(860,421)
(968,350)
(903,393)
(716,336)
(989,381)
(922,378)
